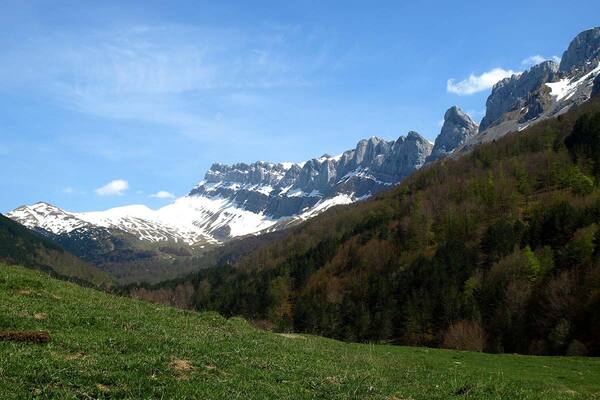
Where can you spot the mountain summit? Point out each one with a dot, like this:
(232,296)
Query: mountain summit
(457,129)
(582,51)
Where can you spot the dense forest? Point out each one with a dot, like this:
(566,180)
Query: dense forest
(19,245)
(497,250)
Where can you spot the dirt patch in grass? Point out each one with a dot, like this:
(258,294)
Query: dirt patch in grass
(25,336)
(181,368)
(333,380)
(102,388)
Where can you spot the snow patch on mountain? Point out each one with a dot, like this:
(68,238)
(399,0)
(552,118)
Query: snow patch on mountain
(565,88)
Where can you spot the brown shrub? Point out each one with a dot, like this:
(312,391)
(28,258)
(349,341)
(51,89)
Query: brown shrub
(262,324)
(465,335)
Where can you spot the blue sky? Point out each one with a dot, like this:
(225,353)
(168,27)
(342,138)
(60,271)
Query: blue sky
(110,103)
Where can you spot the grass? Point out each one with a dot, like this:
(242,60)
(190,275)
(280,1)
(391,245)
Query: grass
(104,346)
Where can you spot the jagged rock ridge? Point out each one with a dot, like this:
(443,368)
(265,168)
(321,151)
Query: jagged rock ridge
(284,190)
(244,199)
(545,90)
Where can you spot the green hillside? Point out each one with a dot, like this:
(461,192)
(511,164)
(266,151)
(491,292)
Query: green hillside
(495,251)
(103,346)
(22,246)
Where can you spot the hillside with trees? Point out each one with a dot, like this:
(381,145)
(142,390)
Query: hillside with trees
(19,245)
(498,250)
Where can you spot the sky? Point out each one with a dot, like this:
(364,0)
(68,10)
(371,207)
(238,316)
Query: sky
(122,102)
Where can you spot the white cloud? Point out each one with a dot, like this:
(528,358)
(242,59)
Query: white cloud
(536,59)
(68,190)
(163,194)
(533,60)
(113,188)
(478,83)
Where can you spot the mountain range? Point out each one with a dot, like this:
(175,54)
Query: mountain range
(242,199)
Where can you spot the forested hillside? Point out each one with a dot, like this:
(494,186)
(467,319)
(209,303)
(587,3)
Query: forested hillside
(498,251)
(20,245)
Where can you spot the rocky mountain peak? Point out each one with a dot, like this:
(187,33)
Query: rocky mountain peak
(457,129)
(583,49)
(511,93)
(544,91)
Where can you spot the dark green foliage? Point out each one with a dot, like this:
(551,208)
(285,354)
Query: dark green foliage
(502,242)
(584,141)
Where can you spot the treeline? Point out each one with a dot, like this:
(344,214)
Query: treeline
(496,251)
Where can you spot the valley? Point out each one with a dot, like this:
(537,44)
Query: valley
(399,268)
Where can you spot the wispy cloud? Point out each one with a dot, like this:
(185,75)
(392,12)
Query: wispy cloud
(163,194)
(477,83)
(176,76)
(536,59)
(113,188)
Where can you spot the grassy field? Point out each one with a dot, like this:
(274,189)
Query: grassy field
(104,346)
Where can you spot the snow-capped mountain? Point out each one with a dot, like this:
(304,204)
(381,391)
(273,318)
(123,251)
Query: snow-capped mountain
(244,199)
(137,220)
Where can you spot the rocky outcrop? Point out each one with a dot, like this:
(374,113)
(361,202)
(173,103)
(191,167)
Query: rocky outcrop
(457,129)
(581,51)
(257,173)
(512,93)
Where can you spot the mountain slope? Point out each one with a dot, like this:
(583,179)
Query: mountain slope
(102,346)
(505,238)
(19,245)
